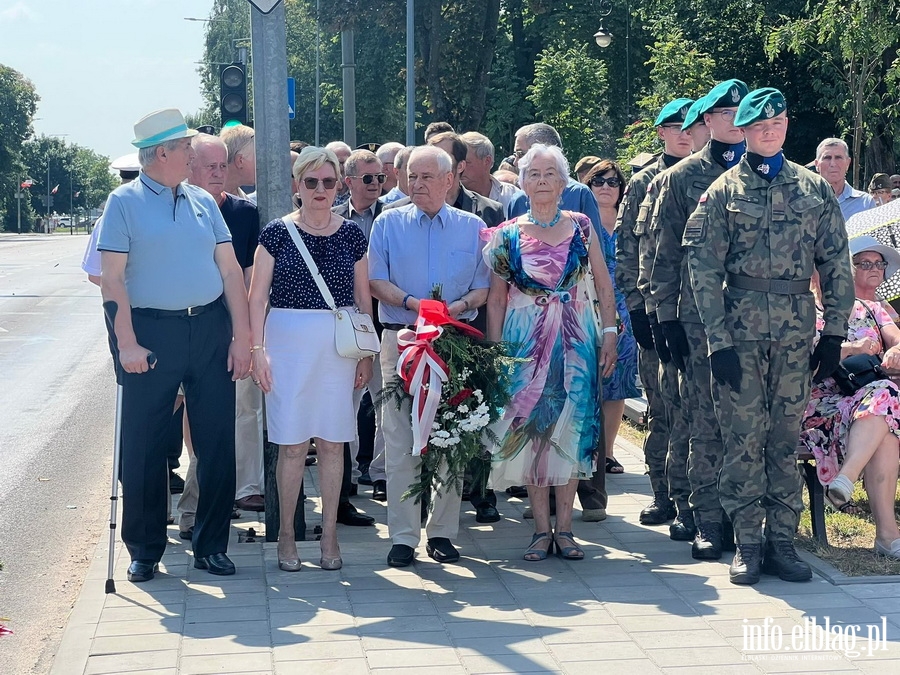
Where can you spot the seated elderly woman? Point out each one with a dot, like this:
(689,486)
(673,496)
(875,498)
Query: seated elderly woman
(860,434)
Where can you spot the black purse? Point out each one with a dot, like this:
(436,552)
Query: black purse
(857,371)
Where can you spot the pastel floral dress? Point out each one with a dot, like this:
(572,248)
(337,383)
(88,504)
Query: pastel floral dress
(551,426)
(829,414)
(621,384)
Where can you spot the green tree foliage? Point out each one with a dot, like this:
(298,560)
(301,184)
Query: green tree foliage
(18,102)
(854,45)
(569,92)
(677,70)
(75,169)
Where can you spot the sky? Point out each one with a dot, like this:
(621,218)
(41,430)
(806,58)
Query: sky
(134,56)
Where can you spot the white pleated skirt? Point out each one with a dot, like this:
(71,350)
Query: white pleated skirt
(312,385)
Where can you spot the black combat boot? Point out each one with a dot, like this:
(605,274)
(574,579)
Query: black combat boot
(708,542)
(781,560)
(661,510)
(683,529)
(745,566)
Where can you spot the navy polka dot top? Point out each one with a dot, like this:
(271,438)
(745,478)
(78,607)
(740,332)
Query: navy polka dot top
(335,255)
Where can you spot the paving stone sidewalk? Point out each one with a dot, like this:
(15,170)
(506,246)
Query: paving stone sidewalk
(638,604)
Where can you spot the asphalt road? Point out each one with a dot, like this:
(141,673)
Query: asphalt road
(57,403)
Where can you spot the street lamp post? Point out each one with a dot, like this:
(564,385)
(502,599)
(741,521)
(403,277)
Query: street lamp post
(604,38)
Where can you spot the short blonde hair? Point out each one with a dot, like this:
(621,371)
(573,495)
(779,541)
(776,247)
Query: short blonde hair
(312,158)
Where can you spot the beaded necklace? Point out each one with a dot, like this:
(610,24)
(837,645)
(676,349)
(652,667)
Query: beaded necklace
(545,225)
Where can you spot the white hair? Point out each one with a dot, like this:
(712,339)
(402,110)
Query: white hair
(388,151)
(147,156)
(444,161)
(552,151)
(479,143)
(830,142)
(334,146)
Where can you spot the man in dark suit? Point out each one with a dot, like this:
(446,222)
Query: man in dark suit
(365,179)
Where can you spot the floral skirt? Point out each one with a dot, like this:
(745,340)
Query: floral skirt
(829,415)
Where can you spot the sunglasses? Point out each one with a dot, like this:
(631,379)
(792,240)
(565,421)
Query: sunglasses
(369,178)
(313,183)
(600,181)
(868,265)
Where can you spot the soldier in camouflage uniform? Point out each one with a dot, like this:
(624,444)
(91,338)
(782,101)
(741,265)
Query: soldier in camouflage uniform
(671,296)
(673,384)
(659,431)
(758,233)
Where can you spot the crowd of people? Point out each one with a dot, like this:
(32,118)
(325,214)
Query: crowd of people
(704,273)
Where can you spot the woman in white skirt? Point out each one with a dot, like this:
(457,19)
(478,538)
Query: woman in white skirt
(308,386)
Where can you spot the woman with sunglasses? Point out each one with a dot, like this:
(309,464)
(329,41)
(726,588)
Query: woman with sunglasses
(860,433)
(608,185)
(308,385)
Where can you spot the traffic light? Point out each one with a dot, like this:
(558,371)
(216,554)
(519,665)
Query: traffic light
(233,93)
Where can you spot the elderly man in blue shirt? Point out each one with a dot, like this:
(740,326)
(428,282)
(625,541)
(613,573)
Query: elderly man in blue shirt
(412,249)
(832,162)
(173,286)
(575,197)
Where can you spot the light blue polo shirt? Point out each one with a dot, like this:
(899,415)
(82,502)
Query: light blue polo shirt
(170,239)
(853,201)
(415,252)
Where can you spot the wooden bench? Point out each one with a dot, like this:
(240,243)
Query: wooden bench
(816,492)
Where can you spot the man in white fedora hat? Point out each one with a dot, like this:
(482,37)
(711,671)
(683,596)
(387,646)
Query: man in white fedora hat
(173,290)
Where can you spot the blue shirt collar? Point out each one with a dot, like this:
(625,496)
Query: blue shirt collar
(158,188)
(849,192)
(440,217)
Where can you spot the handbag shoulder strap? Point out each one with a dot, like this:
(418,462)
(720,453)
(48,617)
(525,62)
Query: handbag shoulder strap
(310,263)
(875,323)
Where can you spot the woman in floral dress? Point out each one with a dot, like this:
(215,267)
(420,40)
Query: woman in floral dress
(849,435)
(539,303)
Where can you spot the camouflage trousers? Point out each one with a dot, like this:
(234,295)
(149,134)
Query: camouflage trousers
(760,429)
(656,443)
(678,421)
(706,450)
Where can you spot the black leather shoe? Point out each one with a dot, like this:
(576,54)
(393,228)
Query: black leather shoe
(217,563)
(781,560)
(440,549)
(348,515)
(379,490)
(660,511)
(486,513)
(708,542)
(683,529)
(364,477)
(176,483)
(142,570)
(518,491)
(401,555)
(746,564)
(186,534)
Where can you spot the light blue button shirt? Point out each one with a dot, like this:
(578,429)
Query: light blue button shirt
(415,253)
(575,197)
(853,201)
(395,194)
(170,238)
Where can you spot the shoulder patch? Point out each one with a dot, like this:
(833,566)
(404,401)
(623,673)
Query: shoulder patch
(703,198)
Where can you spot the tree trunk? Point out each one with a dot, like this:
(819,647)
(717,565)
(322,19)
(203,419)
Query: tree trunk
(482,75)
(430,51)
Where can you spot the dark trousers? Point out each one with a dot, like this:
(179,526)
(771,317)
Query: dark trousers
(175,439)
(365,429)
(479,494)
(193,351)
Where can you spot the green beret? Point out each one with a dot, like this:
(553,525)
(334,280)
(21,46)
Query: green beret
(760,104)
(673,111)
(727,94)
(693,114)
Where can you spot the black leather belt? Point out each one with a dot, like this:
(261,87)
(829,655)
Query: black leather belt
(174,313)
(777,286)
(397,326)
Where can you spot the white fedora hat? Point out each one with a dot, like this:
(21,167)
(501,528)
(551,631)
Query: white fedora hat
(159,127)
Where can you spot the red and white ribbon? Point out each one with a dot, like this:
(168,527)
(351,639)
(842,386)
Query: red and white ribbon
(423,373)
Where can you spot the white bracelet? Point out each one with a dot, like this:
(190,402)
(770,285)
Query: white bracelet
(610,329)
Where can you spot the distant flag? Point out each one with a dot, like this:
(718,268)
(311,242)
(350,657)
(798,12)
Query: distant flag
(55,190)
(27,184)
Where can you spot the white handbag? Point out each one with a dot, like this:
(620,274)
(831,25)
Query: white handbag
(354,332)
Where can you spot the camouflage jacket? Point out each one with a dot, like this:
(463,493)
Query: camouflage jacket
(627,245)
(781,230)
(679,190)
(647,240)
